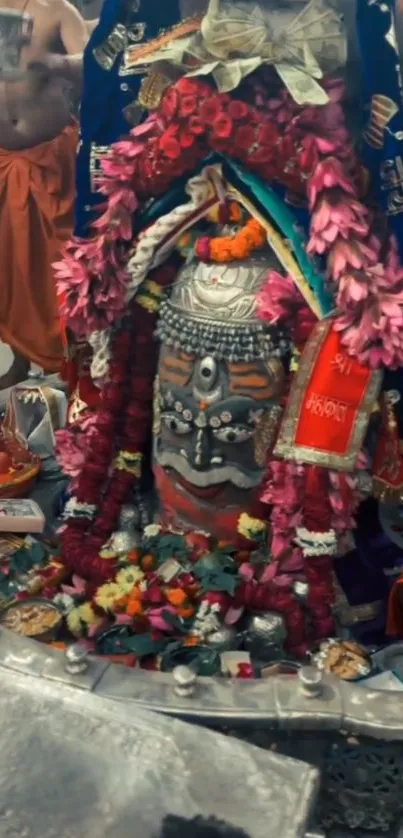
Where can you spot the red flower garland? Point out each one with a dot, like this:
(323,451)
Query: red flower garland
(317,516)
(128,393)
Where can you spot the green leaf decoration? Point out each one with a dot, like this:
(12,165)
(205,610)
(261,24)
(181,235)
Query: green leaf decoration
(217,572)
(39,554)
(223,582)
(178,623)
(20,562)
(171,546)
(4,587)
(26,558)
(203,659)
(144,645)
(112,641)
(227,550)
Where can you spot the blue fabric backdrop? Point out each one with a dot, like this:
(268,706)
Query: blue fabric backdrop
(382,139)
(107,93)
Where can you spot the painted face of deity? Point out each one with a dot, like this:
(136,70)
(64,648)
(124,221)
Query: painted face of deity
(217,400)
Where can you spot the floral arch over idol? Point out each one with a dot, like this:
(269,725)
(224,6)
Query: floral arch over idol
(250,352)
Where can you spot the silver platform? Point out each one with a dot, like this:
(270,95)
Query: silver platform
(74,765)
(353,736)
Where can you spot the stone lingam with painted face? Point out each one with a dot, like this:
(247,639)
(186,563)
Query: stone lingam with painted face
(217,402)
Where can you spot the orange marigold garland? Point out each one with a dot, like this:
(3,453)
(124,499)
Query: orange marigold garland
(232,248)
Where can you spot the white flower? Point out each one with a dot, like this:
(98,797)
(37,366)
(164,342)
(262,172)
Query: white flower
(152,530)
(64,601)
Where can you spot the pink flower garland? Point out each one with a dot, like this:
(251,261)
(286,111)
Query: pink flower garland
(282,491)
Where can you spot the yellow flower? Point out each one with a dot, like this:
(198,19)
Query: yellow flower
(153,288)
(148,303)
(80,618)
(130,462)
(295,360)
(106,596)
(74,622)
(88,615)
(128,577)
(107,553)
(251,528)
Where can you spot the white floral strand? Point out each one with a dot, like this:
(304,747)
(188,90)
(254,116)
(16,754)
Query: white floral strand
(75,509)
(100,343)
(316,543)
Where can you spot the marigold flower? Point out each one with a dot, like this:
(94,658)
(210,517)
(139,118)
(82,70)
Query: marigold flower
(134,608)
(148,562)
(134,556)
(176,596)
(107,595)
(128,577)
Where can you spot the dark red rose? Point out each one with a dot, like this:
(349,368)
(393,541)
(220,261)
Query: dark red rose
(188,105)
(263,154)
(153,595)
(170,147)
(170,103)
(210,110)
(189,87)
(223,127)
(268,134)
(196,126)
(244,138)
(187,139)
(237,110)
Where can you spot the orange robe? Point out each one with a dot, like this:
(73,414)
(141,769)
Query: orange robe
(37,193)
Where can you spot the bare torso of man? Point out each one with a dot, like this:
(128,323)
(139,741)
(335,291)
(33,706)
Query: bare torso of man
(36,107)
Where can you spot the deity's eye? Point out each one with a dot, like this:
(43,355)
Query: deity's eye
(177,426)
(233,433)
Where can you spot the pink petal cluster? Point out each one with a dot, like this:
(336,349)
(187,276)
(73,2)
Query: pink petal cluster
(372,319)
(337,215)
(91,298)
(156,617)
(329,174)
(283,491)
(91,278)
(72,447)
(280,300)
(78,586)
(369,294)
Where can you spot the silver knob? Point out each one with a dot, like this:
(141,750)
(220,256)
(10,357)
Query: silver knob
(185,680)
(76,659)
(310,679)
